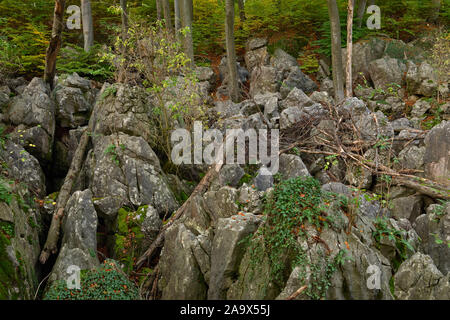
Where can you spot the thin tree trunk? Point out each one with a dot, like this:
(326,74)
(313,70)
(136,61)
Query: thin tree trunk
(123,5)
(233,85)
(241,10)
(167,14)
(361,11)
(349,82)
(436,7)
(55,42)
(336,51)
(88,26)
(186,10)
(176,4)
(158,9)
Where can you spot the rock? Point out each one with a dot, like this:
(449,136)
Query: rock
(151,225)
(73,107)
(230,175)
(321,97)
(283,62)
(23,167)
(363,53)
(386,72)
(221,203)
(432,226)
(372,129)
(297,98)
(79,241)
(205,74)
(263,181)
(355,107)
(228,250)
(292,166)
(420,108)
(75,81)
(35,108)
(297,79)
(421,80)
(411,157)
(419,279)
(437,153)
(358,176)
(124,170)
(264,79)
(401,124)
(35,140)
(407,207)
(4,96)
(181,277)
(256,43)
(250,199)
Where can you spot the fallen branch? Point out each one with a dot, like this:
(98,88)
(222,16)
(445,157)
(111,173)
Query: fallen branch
(51,245)
(297,293)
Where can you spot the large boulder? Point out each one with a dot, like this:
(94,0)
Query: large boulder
(264,79)
(386,72)
(297,79)
(79,241)
(437,153)
(36,111)
(124,170)
(228,250)
(256,53)
(422,79)
(419,279)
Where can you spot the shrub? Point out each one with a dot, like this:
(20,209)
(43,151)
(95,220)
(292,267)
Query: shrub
(105,283)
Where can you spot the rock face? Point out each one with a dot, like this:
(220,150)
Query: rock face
(386,72)
(79,241)
(422,79)
(74,101)
(227,251)
(419,279)
(35,110)
(124,170)
(437,153)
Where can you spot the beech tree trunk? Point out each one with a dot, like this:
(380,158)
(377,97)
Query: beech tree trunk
(158,9)
(123,5)
(233,85)
(361,11)
(186,11)
(336,51)
(88,25)
(241,10)
(176,5)
(349,82)
(55,42)
(167,14)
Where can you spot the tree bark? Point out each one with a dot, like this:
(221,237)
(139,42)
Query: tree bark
(158,9)
(176,4)
(241,10)
(336,51)
(55,42)
(167,14)
(349,82)
(436,7)
(123,5)
(233,85)
(186,10)
(88,25)
(361,11)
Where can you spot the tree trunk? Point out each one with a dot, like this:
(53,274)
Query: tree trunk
(361,11)
(186,10)
(158,9)
(88,26)
(167,14)
(241,10)
(176,4)
(336,51)
(123,5)
(349,82)
(55,42)
(436,7)
(233,85)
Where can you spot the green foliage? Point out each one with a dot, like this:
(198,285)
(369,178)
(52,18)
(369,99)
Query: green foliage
(112,151)
(293,204)
(129,236)
(6,193)
(105,283)
(90,64)
(383,229)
